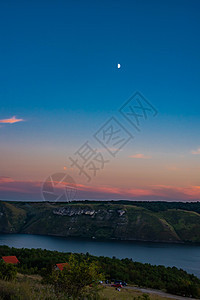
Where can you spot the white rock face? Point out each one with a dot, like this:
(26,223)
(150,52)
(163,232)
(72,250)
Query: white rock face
(77,211)
(121,212)
(73,211)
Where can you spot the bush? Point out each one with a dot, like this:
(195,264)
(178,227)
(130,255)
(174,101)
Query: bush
(7,271)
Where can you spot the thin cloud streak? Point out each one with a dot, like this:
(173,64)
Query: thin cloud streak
(140,156)
(11,120)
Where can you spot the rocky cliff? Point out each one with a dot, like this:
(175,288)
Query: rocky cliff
(101,221)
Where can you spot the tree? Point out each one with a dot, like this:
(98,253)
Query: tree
(77,280)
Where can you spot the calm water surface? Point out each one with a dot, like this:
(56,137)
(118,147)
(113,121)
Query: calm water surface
(186,257)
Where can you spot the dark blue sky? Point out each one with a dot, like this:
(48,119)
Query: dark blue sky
(58,71)
(63,54)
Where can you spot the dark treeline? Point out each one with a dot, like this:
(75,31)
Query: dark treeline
(153,205)
(162,206)
(172,280)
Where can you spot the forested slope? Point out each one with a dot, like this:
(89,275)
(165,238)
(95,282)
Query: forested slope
(146,221)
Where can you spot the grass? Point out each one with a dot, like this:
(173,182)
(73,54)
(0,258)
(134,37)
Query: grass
(29,287)
(110,293)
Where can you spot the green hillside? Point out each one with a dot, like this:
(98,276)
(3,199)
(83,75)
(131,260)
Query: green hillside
(150,221)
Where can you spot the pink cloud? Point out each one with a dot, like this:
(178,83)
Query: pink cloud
(159,192)
(27,189)
(16,189)
(11,120)
(4,179)
(182,193)
(196,152)
(140,155)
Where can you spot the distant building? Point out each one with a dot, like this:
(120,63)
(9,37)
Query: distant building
(10,260)
(61,266)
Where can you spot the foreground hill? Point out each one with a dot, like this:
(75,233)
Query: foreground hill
(86,270)
(146,221)
(30,288)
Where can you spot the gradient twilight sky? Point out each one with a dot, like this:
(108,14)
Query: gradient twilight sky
(59,83)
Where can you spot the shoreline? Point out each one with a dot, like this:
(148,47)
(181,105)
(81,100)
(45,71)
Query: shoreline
(114,240)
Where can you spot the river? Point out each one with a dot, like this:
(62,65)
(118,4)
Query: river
(182,256)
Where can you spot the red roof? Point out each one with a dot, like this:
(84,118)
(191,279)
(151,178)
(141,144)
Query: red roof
(61,266)
(10,259)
